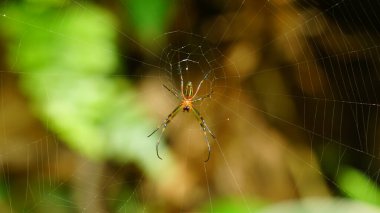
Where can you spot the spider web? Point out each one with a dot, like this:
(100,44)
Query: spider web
(294,109)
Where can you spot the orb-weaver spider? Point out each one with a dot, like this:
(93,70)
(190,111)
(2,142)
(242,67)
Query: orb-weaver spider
(187,99)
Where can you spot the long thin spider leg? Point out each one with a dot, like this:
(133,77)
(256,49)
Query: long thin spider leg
(201,82)
(208,129)
(163,125)
(154,131)
(203,97)
(158,142)
(172,91)
(208,144)
(205,129)
(206,76)
(200,118)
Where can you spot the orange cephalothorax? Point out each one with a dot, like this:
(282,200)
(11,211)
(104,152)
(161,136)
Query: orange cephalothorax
(186,105)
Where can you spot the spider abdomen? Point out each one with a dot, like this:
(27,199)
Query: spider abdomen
(186,108)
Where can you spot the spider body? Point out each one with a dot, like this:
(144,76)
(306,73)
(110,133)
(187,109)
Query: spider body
(186,107)
(187,99)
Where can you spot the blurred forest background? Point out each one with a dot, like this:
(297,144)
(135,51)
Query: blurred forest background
(294,109)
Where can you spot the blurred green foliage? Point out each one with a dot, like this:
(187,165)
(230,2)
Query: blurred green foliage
(68,63)
(306,205)
(358,186)
(148,18)
(226,205)
(66,57)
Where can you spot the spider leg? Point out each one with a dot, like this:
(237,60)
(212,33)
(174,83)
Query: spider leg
(201,120)
(204,97)
(205,129)
(201,82)
(172,91)
(163,126)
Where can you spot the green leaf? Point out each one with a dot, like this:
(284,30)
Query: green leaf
(148,18)
(67,60)
(358,186)
(227,205)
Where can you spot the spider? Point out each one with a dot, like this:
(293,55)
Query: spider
(187,99)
